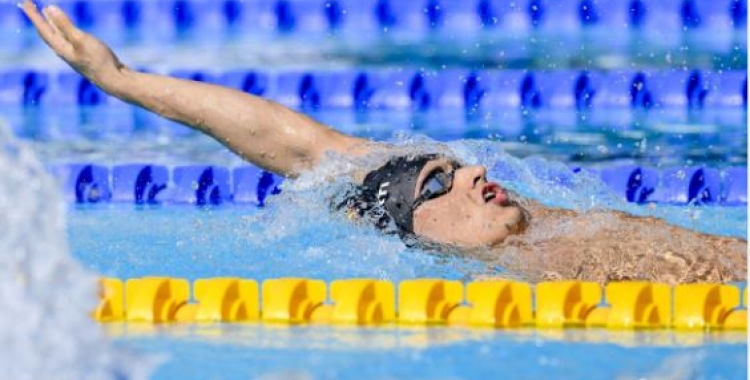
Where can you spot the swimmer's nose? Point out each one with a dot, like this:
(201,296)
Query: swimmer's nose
(470,177)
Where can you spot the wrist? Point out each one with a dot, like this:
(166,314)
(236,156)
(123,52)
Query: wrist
(118,82)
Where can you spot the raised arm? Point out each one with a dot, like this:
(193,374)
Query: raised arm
(261,131)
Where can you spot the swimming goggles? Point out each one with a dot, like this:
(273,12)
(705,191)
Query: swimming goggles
(438,183)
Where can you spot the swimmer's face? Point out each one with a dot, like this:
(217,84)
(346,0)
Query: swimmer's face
(473,213)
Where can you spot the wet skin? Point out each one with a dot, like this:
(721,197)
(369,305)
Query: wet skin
(464,216)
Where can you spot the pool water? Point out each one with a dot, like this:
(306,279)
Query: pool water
(288,238)
(322,352)
(714,138)
(53,252)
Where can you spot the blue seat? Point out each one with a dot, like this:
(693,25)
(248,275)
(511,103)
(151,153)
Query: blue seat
(83,183)
(139,183)
(688,185)
(326,89)
(71,89)
(93,15)
(178,18)
(23,87)
(315,16)
(11,17)
(12,87)
(716,16)
(554,15)
(449,15)
(626,89)
(475,89)
(184,15)
(631,183)
(194,75)
(653,15)
(405,89)
(251,82)
(308,16)
(428,90)
(728,90)
(286,16)
(157,20)
(360,89)
(569,89)
(515,89)
(200,185)
(348,89)
(253,185)
(298,89)
(682,89)
(734,186)
(590,12)
(489,14)
(131,14)
(351,16)
(738,14)
(458,89)
(399,16)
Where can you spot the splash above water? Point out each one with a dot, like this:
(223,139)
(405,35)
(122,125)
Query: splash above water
(45,295)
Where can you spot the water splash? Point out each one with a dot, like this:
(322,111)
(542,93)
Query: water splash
(297,234)
(44,294)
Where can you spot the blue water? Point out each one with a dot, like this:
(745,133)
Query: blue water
(320,352)
(290,238)
(111,135)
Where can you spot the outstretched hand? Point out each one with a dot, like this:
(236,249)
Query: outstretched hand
(83,52)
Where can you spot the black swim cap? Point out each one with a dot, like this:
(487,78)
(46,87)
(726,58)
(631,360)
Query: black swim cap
(392,187)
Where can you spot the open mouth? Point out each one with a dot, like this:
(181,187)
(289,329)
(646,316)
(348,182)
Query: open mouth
(493,193)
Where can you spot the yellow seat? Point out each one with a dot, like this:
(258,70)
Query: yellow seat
(226,300)
(704,306)
(155,299)
(499,304)
(634,305)
(428,300)
(292,300)
(111,306)
(565,303)
(362,301)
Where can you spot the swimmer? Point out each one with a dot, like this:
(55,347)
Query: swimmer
(427,199)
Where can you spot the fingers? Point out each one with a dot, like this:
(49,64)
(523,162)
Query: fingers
(41,25)
(60,20)
(51,35)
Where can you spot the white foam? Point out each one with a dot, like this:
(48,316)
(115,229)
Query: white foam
(45,295)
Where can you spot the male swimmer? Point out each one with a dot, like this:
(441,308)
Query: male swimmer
(428,199)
